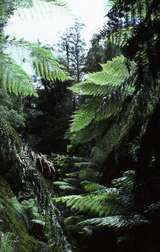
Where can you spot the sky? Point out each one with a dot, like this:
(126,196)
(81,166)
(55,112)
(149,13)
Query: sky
(46,22)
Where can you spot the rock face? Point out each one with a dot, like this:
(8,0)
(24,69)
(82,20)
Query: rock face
(29,221)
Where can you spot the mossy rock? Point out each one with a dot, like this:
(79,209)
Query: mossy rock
(13,228)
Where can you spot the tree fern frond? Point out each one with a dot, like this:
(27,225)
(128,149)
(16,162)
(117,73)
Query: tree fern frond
(121,36)
(13,78)
(117,221)
(114,73)
(127,121)
(106,90)
(83,117)
(90,89)
(46,66)
(136,9)
(88,134)
(101,203)
(94,111)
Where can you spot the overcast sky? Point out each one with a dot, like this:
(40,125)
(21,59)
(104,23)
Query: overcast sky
(46,22)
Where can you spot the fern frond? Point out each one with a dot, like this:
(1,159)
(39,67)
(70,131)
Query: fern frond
(89,133)
(95,111)
(65,186)
(46,66)
(101,203)
(126,121)
(114,72)
(121,36)
(106,90)
(13,78)
(44,63)
(113,75)
(89,186)
(83,117)
(117,221)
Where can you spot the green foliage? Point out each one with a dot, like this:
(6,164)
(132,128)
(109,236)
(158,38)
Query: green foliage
(99,208)
(121,36)
(10,109)
(17,162)
(133,13)
(72,50)
(89,186)
(117,222)
(46,66)
(95,203)
(7,243)
(11,119)
(59,161)
(13,78)
(14,233)
(106,92)
(30,209)
(113,76)
(101,201)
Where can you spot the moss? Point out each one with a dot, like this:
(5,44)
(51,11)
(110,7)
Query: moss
(12,221)
(8,134)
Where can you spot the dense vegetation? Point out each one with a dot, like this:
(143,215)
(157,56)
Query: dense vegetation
(80,155)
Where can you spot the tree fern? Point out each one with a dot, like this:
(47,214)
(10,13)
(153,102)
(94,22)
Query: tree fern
(17,81)
(106,92)
(128,15)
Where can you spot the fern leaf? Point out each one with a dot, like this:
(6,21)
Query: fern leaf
(44,63)
(121,37)
(13,78)
(83,117)
(91,186)
(118,221)
(106,90)
(101,203)
(46,66)
(114,73)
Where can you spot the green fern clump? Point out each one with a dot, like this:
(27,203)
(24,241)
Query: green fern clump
(98,200)
(99,207)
